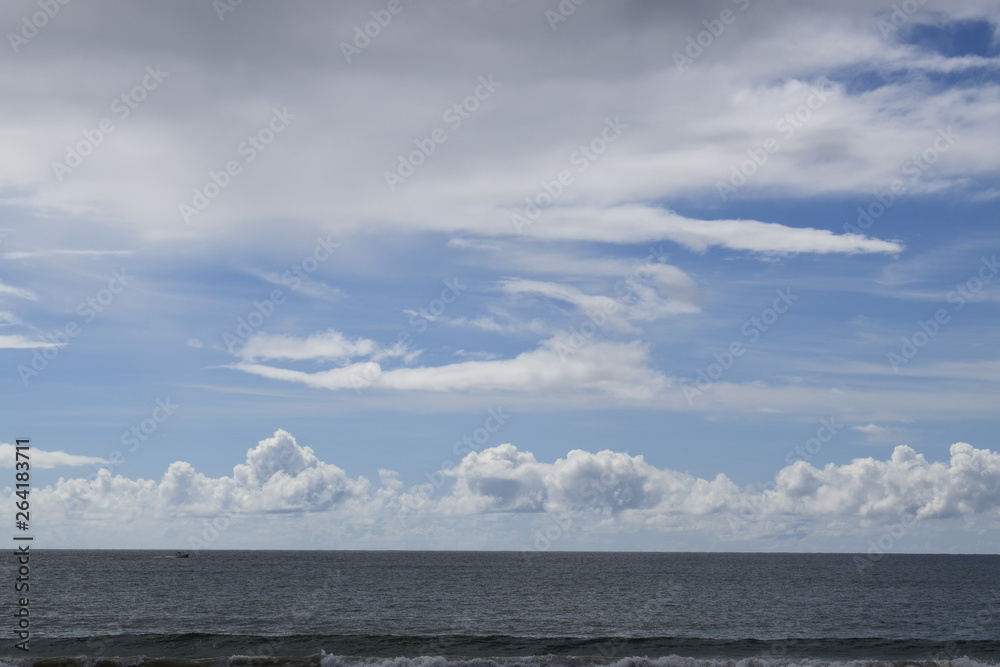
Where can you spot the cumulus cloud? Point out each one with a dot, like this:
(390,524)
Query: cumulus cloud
(625,493)
(607,490)
(604,483)
(497,479)
(906,483)
(279,475)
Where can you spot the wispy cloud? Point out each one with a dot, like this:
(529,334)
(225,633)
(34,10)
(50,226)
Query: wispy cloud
(19,292)
(41,458)
(19,342)
(32,254)
(561,363)
(644,224)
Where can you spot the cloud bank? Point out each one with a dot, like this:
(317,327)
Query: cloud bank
(606,491)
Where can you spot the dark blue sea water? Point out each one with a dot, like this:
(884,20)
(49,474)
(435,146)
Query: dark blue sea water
(435,609)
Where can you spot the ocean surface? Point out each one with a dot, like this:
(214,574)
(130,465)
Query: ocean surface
(480,609)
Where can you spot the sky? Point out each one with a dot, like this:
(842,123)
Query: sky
(714,276)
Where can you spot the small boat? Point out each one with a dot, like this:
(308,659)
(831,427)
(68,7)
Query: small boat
(181,555)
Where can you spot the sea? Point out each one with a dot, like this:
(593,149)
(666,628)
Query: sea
(496,609)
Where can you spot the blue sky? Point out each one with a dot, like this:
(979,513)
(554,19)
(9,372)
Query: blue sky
(655,276)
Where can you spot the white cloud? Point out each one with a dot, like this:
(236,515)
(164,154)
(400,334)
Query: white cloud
(353,376)
(279,475)
(498,479)
(503,479)
(303,285)
(633,223)
(55,253)
(18,292)
(606,483)
(577,363)
(607,491)
(487,323)
(638,299)
(905,484)
(329,345)
(602,306)
(40,458)
(19,342)
(511,323)
(683,135)
(567,362)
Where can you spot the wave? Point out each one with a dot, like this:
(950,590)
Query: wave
(325,660)
(496,651)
